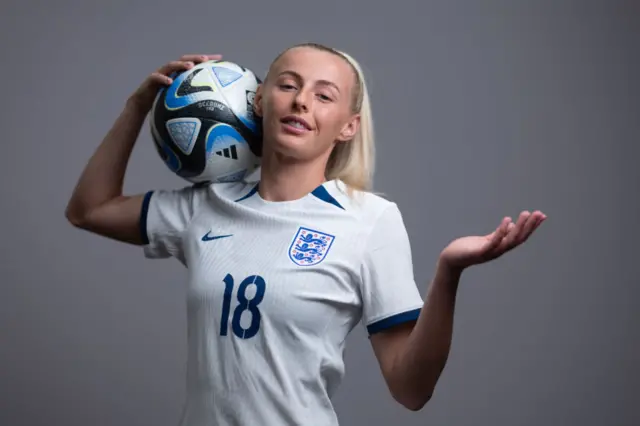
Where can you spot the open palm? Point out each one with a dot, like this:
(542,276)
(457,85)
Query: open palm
(467,251)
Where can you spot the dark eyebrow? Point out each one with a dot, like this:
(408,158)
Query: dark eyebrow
(299,78)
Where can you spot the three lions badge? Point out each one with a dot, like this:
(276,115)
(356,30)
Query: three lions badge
(309,247)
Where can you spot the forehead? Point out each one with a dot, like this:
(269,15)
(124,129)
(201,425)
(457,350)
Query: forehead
(315,65)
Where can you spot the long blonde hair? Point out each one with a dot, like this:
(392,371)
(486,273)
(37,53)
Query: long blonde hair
(353,162)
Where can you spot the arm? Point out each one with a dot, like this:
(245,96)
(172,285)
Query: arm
(98,204)
(413,357)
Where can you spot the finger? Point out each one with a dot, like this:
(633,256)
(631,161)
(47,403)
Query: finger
(539,222)
(159,78)
(194,58)
(532,224)
(505,243)
(511,240)
(174,66)
(529,227)
(200,58)
(499,234)
(496,246)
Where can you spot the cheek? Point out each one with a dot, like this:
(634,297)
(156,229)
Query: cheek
(330,121)
(271,107)
(267,114)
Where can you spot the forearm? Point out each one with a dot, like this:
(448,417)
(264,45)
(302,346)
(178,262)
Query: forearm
(103,176)
(425,353)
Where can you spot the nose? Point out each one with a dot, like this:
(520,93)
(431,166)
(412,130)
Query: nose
(301,100)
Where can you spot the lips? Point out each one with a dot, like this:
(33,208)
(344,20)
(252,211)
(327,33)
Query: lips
(290,119)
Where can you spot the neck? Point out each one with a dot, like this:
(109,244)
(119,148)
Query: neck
(286,179)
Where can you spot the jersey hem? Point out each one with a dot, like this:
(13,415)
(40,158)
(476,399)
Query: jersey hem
(144,213)
(393,320)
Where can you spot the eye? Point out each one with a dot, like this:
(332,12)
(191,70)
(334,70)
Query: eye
(285,86)
(324,98)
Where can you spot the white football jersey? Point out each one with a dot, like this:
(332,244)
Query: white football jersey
(274,288)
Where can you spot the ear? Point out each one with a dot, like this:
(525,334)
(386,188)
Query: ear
(257,101)
(350,129)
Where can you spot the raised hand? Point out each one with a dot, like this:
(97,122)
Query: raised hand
(144,96)
(467,251)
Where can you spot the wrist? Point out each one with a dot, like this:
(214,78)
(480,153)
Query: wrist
(136,107)
(447,269)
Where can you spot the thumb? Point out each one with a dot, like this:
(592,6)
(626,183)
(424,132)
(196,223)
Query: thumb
(496,236)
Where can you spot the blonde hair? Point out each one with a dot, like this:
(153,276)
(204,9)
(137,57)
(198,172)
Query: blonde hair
(353,162)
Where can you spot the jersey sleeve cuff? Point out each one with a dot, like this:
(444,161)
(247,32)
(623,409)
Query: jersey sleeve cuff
(144,213)
(393,320)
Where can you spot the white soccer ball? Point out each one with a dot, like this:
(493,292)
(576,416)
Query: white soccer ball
(203,124)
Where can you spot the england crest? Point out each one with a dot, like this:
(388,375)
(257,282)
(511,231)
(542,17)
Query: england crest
(309,247)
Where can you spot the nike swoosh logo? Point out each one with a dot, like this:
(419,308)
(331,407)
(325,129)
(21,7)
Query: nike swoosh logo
(208,237)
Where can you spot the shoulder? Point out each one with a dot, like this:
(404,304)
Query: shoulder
(196,196)
(369,208)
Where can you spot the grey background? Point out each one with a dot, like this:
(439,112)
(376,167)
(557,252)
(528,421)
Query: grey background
(482,109)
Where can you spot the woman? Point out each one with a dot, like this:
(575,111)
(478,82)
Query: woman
(280,271)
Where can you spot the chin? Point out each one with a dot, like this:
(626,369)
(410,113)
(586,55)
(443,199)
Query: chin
(301,147)
(289,149)
(289,145)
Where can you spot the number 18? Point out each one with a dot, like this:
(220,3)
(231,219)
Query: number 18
(244,304)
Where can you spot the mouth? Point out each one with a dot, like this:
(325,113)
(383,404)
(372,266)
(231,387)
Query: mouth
(296,123)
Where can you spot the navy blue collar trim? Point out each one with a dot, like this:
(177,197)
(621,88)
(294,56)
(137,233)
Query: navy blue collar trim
(320,192)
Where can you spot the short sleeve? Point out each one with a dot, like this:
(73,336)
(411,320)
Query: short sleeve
(164,218)
(389,291)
